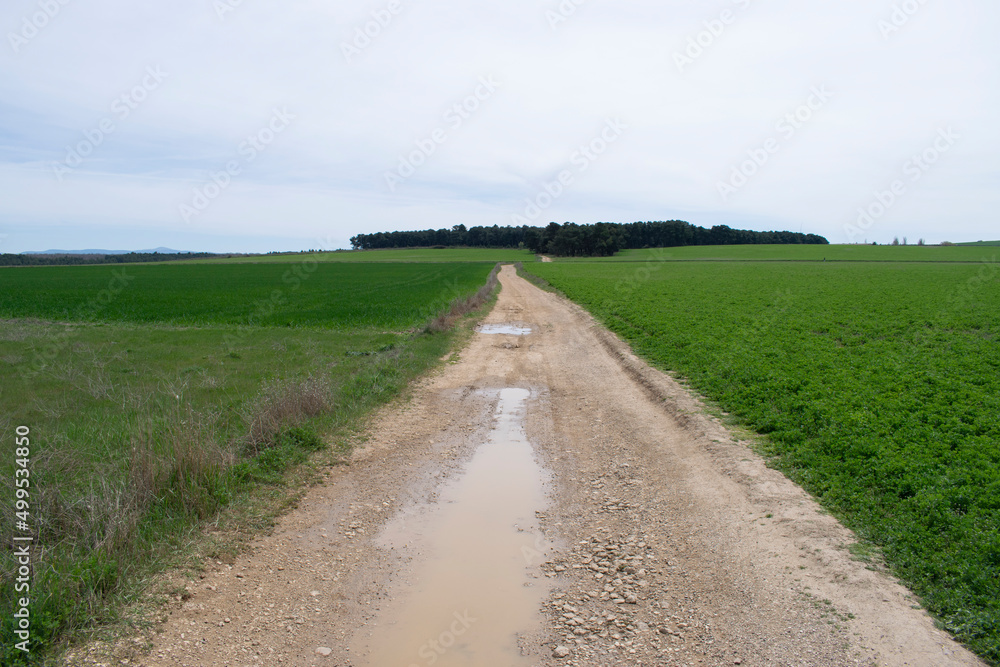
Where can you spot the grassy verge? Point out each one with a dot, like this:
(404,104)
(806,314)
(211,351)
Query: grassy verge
(147,439)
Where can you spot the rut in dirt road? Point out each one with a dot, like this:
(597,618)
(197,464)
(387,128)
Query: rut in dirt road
(547,499)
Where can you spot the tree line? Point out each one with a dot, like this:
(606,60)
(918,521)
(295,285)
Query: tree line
(9,259)
(601,239)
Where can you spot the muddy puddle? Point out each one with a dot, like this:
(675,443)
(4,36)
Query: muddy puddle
(505,328)
(474,585)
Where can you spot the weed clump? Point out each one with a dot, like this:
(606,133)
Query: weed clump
(280,405)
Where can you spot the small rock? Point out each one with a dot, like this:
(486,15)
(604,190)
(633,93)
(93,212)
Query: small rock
(560,652)
(324,651)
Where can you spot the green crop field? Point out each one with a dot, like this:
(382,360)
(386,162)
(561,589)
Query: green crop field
(162,396)
(877,384)
(798,253)
(304,293)
(489,255)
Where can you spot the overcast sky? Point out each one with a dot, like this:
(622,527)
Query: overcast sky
(245,125)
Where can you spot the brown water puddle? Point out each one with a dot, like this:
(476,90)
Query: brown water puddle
(474,587)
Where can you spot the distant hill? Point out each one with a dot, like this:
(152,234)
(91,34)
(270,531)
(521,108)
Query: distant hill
(984,243)
(162,251)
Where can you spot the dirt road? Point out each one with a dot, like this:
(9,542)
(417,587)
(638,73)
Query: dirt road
(547,499)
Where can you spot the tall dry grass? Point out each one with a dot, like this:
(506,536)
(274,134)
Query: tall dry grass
(281,406)
(462,306)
